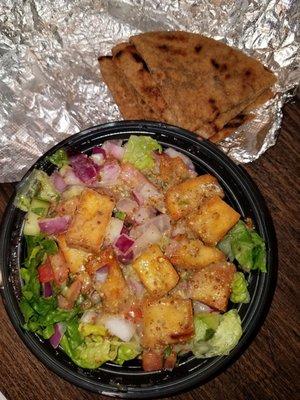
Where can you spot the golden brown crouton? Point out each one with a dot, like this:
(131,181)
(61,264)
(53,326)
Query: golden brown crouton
(75,258)
(89,223)
(67,207)
(212,285)
(193,254)
(114,290)
(186,197)
(213,220)
(155,271)
(172,171)
(167,321)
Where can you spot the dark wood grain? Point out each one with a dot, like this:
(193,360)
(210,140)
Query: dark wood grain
(269,368)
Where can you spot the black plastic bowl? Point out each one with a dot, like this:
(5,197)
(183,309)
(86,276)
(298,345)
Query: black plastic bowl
(129,381)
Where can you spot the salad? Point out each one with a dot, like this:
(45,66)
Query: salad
(131,254)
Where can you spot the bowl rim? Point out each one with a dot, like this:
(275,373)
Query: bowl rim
(266,295)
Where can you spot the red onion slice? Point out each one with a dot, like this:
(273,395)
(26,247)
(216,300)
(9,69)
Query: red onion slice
(124,243)
(174,153)
(59,330)
(54,225)
(58,182)
(101,274)
(99,150)
(47,289)
(125,258)
(114,149)
(84,168)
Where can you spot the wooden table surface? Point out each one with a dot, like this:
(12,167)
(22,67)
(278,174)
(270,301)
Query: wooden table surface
(269,368)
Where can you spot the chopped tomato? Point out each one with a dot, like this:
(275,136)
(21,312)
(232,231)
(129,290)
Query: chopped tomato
(134,314)
(152,360)
(67,302)
(106,258)
(45,272)
(170,361)
(73,291)
(60,267)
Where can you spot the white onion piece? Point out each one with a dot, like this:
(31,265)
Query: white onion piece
(113,230)
(120,327)
(136,286)
(143,214)
(161,222)
(150,236)
(147,191)
(101,274)
(127,205)
(89,316)
(98,158)
(69,176)
(58,182)
(201,307)
(174,153)
(110,173)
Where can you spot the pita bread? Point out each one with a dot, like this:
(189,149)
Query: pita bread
(231,127)
(128,101)
(134,68)
(204,82)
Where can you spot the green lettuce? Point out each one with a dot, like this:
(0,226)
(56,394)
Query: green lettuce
(239,291)
(205,325)
(95,349)
(59,158)
(223,339)
(40,313)
(139,151)
(245,246)
(127,351)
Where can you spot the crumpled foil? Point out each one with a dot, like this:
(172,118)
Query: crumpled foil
(50,85)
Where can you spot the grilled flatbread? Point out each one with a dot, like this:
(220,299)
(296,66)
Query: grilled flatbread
(130,104)
(204,82)
(138,75)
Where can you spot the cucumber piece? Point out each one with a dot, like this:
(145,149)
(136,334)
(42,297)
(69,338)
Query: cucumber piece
(47,190)
(72,192)
(31,226)
(40,207)
(38,185)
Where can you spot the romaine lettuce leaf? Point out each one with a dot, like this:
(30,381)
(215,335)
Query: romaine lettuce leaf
(127,351)
(246,246)
(239,291)
(225,338)
(139,151)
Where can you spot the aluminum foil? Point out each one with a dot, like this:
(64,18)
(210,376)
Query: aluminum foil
(50,85)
